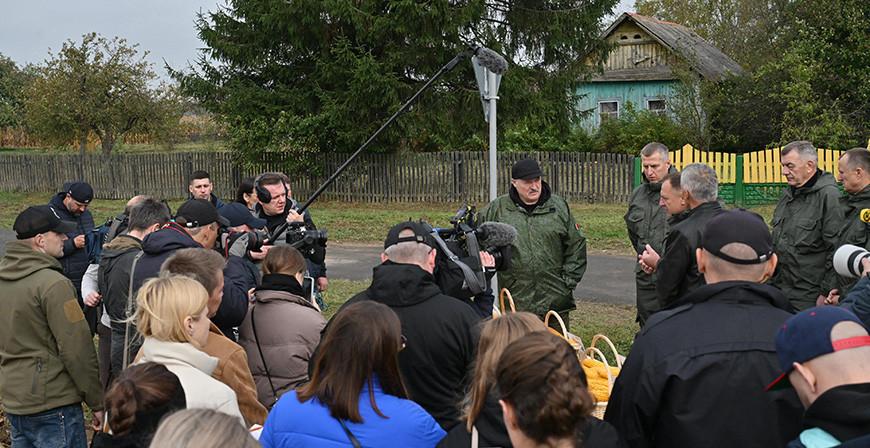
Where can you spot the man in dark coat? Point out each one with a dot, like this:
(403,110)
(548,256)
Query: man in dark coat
(200,186)
(677,270)
(114,272)
(824,353)
(441,331)
(71,204)
(806,223)
(647,223)
(696,373)
(854,174)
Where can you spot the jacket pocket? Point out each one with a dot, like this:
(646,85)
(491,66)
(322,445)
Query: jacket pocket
(807,235)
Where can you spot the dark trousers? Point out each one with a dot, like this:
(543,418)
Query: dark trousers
(117,352)
(104,355)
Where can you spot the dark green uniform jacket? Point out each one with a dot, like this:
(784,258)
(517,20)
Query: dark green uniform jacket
(549,255)
(853,230)
(647,223)
(47,356)
(806,223)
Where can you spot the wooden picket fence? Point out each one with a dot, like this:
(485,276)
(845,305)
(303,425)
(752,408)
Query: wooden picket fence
(447,177)
(758,167)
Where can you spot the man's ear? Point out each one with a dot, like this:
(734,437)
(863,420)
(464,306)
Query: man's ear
(807,376)
(812,165)
(701,259)
(431,258)
(384,257)
(770,267)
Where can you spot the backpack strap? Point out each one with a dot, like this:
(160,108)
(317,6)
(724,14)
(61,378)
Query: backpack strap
(127,314)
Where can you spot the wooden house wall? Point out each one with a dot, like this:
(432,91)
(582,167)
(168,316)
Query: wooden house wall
(636,92)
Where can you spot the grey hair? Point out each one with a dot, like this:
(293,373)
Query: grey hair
(192,428)
(805,150)
(408,252)
(655,147)
(700,181)
(857,158)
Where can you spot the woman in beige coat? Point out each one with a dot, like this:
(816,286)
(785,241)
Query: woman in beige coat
(282,326)
(173,317)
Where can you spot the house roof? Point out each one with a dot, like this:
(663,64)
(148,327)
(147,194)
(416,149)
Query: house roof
(703,57)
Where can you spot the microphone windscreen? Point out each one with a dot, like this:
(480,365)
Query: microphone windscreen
(497,234)
(865,215)
(491,60)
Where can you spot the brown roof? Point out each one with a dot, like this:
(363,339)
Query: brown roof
(703,57)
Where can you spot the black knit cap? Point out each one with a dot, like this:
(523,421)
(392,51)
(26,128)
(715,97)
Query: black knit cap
(526,169)
(421,234)
(738,226)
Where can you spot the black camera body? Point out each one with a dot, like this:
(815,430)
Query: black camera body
(311,243)
(240,243)
(458,268)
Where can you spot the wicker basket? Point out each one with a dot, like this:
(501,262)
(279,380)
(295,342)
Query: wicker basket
(572,339)
(594,352)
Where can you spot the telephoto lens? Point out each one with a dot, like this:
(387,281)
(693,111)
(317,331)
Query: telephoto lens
(847,260)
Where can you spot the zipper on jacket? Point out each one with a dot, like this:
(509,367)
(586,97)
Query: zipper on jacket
(36,377)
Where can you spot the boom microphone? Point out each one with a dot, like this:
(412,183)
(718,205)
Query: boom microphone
(497,234)
(491,60)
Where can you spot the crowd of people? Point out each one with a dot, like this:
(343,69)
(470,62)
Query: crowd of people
(211,330)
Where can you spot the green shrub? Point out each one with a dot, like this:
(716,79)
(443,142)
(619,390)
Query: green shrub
(634,128)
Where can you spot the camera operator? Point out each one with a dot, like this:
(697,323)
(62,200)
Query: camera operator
(277,206)
(240,273)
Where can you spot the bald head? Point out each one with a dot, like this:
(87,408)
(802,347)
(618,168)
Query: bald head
(717,270)
(410,252)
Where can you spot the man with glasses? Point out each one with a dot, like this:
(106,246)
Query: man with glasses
(71,204)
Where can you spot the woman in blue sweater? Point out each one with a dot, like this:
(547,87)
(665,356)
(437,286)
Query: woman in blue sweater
(356,397)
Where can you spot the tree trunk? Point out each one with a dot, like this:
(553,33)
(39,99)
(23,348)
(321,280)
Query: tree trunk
(83,144)
(107,143)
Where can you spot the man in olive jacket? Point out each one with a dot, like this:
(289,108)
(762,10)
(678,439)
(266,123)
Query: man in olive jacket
(647,223)
(806,223)
(549,254)
(48,365)
(854,173)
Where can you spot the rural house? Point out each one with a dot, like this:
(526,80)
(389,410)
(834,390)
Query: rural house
(639,67)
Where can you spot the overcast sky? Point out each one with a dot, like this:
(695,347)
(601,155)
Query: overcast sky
(28,28)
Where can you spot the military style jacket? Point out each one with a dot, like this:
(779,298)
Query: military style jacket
(806,224)
(549,254)
(647,223)
(853,230)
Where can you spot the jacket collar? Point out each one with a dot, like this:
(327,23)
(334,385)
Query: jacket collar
(706,207)
(21,260)
(541,205)
(737,292)
(858,198)
(398,284)
(177,353)
(819,180)
(842,411)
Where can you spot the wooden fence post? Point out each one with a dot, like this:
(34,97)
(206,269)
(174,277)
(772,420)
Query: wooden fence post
(638,171)
(739,190)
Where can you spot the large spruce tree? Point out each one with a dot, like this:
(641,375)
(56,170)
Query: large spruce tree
(309,76)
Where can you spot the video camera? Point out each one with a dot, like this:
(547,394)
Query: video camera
(240,243)
(458,269)
(308,242)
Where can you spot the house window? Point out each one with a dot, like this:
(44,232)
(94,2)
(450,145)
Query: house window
(656,105)
(608,110)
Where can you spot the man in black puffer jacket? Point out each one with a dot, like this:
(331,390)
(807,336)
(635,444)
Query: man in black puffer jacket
(441,331)
(71,204)
(696,373)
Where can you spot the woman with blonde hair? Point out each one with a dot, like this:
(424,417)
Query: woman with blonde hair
(481,413)
(544,397)
(202,428)
(282,327)
(172,316)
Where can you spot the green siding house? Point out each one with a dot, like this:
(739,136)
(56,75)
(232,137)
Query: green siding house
(639,68)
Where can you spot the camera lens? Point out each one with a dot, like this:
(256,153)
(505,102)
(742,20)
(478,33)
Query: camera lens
(847,260)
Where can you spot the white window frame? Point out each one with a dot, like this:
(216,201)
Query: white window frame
(598,109)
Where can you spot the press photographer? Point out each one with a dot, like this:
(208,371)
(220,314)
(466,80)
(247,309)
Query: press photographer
(277,207)
(854,262)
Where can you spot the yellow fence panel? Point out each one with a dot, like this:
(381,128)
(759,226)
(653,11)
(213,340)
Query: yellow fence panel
(759,167)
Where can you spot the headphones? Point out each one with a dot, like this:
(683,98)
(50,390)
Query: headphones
(262,193)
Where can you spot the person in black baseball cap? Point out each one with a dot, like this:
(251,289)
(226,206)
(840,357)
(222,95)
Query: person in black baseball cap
(717,339)
(44,227)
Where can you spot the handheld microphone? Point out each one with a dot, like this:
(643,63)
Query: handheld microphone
(491,60)
(864,216)
(497,234)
